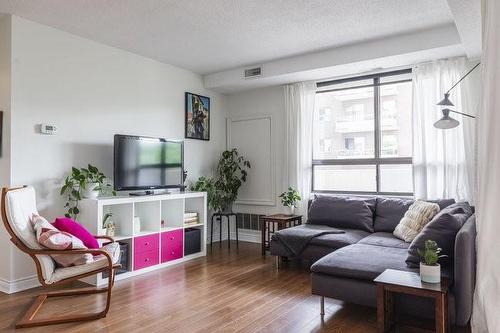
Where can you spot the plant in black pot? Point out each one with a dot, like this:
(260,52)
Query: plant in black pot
(222,189)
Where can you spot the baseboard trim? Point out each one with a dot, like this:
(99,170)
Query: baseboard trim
(245,235)
(10,287)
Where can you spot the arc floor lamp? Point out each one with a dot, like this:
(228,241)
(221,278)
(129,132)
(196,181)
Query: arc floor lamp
(446,121)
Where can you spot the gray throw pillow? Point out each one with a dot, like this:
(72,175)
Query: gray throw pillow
(443,203)
(342,212)
(388,213)
(442,229)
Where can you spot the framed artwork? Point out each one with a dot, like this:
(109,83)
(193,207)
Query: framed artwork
(197,117)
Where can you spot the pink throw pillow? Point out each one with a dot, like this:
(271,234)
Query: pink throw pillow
(52,238)
(49,237)
(76,229)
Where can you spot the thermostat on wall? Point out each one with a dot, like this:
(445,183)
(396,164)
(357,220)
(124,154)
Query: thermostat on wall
(48,129)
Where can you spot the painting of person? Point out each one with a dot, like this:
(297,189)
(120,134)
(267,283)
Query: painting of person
(197,117)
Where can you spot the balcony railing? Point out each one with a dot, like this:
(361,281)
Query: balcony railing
(365,125)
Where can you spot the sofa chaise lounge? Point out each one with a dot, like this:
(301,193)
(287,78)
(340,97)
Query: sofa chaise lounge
(345,264)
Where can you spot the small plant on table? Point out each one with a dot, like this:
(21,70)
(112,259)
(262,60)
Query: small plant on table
(290,198)
(430,270)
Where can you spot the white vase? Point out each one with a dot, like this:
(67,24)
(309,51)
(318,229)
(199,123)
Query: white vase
(430,274)
(89,192)
(290,210)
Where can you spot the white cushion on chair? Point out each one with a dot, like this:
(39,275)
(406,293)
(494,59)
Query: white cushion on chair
(99,261)
(21,205)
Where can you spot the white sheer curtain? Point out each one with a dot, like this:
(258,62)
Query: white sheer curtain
(299,111)
(486,311)
(443,160)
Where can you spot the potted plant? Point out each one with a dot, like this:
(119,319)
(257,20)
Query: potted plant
(84,183)
(214,196)
(430,270)
(289,199)
(222,189)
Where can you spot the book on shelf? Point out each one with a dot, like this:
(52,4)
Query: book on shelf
(189,215)
(191,221)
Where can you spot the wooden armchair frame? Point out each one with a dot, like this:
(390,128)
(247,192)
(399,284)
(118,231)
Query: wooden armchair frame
(28,319)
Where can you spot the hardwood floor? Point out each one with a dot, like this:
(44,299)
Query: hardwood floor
(228,291)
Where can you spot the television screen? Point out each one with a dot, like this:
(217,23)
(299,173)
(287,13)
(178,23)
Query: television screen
(147,163)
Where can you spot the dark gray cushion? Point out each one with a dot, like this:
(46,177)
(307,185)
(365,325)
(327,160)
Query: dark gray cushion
(388,213)
(311,252)
(336,241)
(442,229)
(443,203)
(465,270)
(386,239)
(361,261)
(342,212)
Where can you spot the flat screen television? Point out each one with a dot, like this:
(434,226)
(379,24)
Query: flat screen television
(143,163)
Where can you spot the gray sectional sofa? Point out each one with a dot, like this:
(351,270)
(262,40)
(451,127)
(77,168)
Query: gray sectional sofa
(345,264)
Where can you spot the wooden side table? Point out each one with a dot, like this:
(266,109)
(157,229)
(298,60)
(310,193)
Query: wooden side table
(393,281)
(271,223)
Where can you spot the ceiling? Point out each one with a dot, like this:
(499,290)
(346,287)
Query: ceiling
(210,36)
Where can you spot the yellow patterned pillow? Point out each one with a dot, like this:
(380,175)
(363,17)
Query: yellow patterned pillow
(415,219)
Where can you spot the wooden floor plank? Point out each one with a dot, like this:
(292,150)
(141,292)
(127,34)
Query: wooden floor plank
(234,290)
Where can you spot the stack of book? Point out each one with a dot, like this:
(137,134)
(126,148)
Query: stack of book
(191,219)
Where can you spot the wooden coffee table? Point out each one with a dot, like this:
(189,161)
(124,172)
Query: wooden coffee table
(271,223)
(393,281)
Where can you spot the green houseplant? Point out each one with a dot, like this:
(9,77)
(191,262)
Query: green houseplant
(222,189)
(84,183)
(289,199)
(430,270)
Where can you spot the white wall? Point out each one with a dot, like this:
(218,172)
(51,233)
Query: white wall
(255,103)
(90,92)
(5,78)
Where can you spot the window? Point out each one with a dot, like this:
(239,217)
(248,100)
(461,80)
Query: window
(325,145)
(355,111)
(362,135)
(349,143)
(325,114)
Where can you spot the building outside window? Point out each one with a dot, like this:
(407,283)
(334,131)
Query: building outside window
(362,135)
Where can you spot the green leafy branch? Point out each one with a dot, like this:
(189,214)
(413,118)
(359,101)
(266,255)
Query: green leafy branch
(290,197)
(78,181)
(431,253)
(230,174)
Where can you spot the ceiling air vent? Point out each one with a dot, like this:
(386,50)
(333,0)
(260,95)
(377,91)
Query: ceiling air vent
(253,72)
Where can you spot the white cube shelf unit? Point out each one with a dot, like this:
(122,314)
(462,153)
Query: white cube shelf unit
(158,240)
